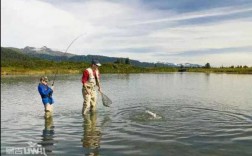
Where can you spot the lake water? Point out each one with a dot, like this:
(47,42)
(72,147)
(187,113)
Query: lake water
(198,114)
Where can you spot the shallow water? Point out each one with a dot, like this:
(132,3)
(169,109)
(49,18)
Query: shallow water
(198,114)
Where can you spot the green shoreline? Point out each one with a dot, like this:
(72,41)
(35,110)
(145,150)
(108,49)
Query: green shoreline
(14,62)
(111,68)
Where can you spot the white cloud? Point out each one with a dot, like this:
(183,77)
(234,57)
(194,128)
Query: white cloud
(110,28)
(219,35)
(201,14)
(35,23)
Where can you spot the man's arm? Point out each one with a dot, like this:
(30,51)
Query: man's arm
(97,79)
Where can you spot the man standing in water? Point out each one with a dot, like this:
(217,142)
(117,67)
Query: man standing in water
(46,94)
(90,79)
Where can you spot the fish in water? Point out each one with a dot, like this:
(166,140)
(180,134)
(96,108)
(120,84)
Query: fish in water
(153,114)
(31,144)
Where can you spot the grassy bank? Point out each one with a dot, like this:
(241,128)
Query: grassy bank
(222,70)
(16,63)
(25,71)
(111,68)
(76,69)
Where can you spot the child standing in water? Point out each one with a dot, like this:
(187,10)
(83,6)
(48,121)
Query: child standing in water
(46,94)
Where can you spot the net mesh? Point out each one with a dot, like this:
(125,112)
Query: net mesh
(105,100)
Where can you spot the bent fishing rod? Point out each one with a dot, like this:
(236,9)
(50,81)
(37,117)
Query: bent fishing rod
(105,100)
(64,55)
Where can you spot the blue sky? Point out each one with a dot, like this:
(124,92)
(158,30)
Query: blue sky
(181,31)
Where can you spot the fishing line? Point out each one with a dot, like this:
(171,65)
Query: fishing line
(64,55)
(105,99)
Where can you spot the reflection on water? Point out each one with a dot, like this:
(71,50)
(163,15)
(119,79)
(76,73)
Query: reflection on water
(91,134)
(201,115)
(48,133)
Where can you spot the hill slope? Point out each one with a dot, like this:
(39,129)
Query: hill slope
(48,54)
(15,62)
(15,58)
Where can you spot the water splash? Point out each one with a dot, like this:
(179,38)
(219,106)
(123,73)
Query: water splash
(154,115)
(33,144)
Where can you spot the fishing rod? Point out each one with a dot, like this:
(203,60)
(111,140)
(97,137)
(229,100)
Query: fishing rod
(64,54)
(105,99)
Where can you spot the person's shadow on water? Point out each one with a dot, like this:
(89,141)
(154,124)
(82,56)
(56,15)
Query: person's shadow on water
(91,135)
(48,134)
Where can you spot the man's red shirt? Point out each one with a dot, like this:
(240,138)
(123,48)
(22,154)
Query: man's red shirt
(85,76)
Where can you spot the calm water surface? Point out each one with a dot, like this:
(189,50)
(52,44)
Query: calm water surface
(200,114)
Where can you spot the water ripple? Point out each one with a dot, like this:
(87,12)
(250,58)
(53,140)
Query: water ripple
(194,119)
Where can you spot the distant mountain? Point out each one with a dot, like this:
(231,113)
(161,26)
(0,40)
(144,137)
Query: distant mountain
(49,54)
(162,64)
(13,54)
(45,51)
(189,65)
(15,57)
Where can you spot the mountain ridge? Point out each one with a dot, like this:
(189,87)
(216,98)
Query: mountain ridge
(53,55)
